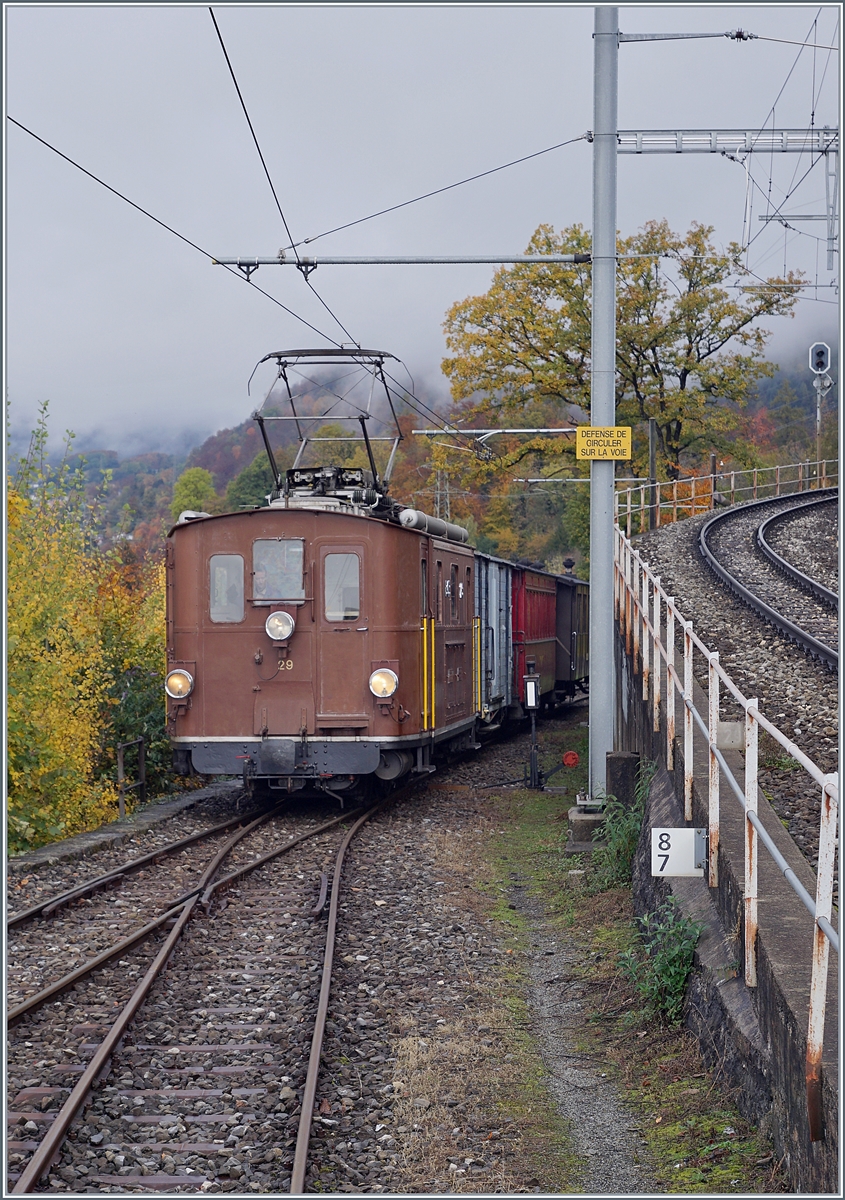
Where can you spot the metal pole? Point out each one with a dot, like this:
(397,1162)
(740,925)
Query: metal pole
(713,772)
(652,470)
(142,770)
(121,805)
(534,770)
(751,764)
(602,390)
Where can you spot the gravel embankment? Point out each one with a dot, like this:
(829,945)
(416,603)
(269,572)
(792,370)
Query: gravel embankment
(796,693)
(810,542)
(733,543)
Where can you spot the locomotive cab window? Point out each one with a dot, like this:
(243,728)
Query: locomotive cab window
(226,588)
(277,569)
(342,587)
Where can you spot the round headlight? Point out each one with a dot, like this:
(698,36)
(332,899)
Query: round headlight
(279,626)
(383,683)
(179,684)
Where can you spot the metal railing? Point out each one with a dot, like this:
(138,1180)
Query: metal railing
(654,503)
(641,605)
(141,783)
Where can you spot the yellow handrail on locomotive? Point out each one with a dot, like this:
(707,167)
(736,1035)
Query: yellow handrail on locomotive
(433,677)
(425,672)
(476,661)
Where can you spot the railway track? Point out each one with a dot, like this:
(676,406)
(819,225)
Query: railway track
(163,1037)
(736,546)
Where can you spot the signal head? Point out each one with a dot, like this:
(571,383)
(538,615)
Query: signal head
(819,358)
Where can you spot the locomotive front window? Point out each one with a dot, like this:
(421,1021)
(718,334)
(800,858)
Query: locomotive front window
(277,569)
(342,587)
(226,587)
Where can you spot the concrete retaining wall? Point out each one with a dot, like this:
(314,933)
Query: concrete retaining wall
(753,1038)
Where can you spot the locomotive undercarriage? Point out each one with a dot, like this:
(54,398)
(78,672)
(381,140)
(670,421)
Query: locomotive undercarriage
(331,765)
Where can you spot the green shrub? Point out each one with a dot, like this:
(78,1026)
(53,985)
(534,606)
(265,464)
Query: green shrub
(661,968)
(612,863)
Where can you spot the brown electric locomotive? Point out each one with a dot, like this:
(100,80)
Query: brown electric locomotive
(334,634)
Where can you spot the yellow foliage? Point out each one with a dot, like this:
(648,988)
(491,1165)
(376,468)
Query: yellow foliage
(56,685)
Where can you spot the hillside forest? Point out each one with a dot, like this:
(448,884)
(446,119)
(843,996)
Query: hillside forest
(86,647)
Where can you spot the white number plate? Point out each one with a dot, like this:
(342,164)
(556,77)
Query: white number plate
(677,851)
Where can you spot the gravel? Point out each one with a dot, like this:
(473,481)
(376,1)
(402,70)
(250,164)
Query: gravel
(810,542)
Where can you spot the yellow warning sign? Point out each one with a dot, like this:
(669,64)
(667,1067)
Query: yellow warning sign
(593,441)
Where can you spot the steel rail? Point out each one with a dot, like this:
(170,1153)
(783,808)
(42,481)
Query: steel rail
(306,1116)
(271,854)
(815,648)
(43,1157)
(818,589)
(87,968)
(52,904)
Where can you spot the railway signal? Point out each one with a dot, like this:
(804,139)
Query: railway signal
(819,365)
(819,358)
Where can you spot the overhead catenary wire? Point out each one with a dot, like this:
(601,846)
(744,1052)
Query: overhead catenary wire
(775,209)
(269,178)
(249,121)
(437,191)
(182,238)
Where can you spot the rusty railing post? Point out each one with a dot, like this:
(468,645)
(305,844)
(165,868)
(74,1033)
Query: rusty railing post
(750,902)
(635,609)
(643,509)
(626,615)
(713,770)
(670,683)
(821,954)
(646,636)
(688,769)
(655,687)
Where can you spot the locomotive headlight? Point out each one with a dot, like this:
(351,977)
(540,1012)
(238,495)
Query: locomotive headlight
(383,683)
(179,684)
(279,626)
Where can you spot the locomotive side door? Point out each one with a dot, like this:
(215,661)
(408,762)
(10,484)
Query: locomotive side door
(457,589)
(342,662)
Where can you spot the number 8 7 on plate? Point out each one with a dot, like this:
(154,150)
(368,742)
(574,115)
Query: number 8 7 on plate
(678,851)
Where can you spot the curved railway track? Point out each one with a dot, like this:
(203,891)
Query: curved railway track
(217,913)
(736,547)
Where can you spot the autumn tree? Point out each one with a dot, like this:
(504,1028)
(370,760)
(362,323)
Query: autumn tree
(255,482)
(194,491)
(85,655)
(689,346)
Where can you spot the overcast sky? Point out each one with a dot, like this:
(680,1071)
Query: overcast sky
(138,342)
